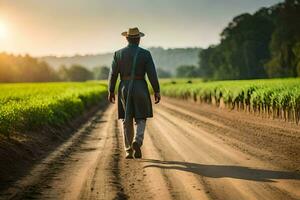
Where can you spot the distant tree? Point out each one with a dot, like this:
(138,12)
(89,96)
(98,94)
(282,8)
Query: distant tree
(285,41)
(296,50)
(25,69)
(259,45)
(6,68)
(78,73)
(187,71)
(169,59)
(101,73)
(161,73)
(63,73)
(207,62)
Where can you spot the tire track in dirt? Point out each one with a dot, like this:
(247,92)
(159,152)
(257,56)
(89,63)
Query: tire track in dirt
(104,180)
(219,168)
(180,185)
(192,161)
(203,148)
(32,185)
(272,141)
(86,167)
(187,154)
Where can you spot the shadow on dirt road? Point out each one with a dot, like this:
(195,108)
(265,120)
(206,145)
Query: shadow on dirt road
(223,171)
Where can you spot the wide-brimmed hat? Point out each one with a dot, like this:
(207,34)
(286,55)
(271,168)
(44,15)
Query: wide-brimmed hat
(133,33)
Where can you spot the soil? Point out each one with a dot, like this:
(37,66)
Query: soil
(22,151)
(190,151)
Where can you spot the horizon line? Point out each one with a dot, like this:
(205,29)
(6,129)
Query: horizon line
(92,53)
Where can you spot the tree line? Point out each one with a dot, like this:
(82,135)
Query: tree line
(29,69)
(17,68)
(265,44)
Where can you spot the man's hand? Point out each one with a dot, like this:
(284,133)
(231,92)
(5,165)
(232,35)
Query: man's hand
(111,97)
(157,97)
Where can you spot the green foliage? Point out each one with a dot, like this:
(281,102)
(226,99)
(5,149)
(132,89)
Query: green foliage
(26,107)
(162,73)
(78,73)
(285,40)
(167,59)
(170,59)
(262,45)
(187,71)
(101,73)
(28,69)
(275,93)
(24,69)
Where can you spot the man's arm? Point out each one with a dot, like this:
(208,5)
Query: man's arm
(112,79)
(152,76)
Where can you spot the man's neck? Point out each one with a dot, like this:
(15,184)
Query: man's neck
(132,45)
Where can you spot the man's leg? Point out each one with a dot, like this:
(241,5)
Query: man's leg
(140,130)
(128,132)
(139,137)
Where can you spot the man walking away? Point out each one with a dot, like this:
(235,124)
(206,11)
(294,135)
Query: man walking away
(134,102)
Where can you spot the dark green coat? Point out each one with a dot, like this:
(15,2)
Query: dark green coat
(122,62)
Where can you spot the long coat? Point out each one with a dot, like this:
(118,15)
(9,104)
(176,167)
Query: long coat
(141,106)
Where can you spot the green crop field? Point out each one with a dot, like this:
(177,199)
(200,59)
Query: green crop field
(29,106)
(279,98)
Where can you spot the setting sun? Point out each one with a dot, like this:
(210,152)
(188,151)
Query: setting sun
(3,30)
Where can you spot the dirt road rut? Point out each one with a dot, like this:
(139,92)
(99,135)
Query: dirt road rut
(190,152)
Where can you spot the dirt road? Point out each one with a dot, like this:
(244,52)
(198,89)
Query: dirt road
(190,152)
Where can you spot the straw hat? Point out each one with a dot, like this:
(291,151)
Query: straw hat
(133,33)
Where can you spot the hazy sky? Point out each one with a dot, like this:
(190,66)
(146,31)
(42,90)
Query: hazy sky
(66,27)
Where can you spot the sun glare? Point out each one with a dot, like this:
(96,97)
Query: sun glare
(3,31)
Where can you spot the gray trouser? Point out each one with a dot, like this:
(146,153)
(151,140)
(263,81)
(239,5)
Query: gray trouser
(128,131)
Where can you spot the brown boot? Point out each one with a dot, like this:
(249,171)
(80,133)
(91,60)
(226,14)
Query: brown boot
(137,150)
